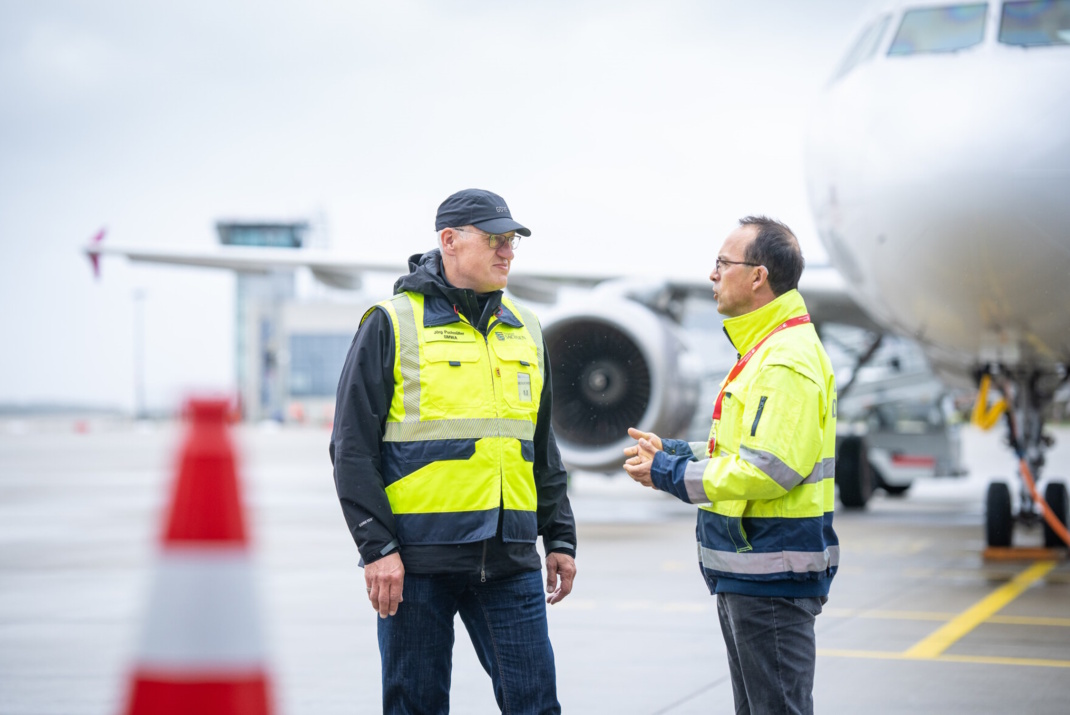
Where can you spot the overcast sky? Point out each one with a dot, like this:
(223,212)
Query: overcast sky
(628,135)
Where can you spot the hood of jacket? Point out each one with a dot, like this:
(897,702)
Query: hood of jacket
(426,276)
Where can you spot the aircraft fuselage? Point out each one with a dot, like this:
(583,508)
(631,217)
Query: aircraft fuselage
(940,183)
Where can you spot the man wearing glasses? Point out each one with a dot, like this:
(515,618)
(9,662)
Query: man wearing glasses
(764,481)
(447,469)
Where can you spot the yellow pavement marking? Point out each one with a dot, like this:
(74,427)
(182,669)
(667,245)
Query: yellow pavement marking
(872,654)
(946,636)
(980,659)
(701,606)
(1031,621)
(887,615)
(992,660)
(1055,621)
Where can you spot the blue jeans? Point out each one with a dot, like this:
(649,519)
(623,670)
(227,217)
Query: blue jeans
(506,620)
(772,651)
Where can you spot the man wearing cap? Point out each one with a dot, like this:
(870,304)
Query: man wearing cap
(447,469)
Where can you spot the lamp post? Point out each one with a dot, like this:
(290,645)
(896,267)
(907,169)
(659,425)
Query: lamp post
(140,411)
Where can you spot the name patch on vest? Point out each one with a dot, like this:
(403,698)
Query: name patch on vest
(524,380)
(448,335)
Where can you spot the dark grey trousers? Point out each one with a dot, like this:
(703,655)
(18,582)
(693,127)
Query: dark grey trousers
(772,652)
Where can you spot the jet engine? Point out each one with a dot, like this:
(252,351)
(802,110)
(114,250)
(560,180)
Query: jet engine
(616,363)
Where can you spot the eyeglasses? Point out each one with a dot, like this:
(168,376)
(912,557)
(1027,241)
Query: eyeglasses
(495,240)
(722,262)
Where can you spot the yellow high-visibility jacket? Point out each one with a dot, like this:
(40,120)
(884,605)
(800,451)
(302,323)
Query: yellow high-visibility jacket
(458,441)
(766,497)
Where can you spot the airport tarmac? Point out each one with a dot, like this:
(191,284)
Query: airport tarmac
(917,621)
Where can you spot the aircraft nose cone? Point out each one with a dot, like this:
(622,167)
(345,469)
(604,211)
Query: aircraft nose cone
(597,380)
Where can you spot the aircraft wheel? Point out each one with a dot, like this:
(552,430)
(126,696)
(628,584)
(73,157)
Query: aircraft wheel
(999,522)
(854,475)
(1055,495)
(893,490)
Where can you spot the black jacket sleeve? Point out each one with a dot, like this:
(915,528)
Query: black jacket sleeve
(365,391)
(554,512)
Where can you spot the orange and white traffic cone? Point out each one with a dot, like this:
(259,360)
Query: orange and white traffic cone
(201,650)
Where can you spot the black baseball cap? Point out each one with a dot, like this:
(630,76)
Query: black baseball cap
(475,207)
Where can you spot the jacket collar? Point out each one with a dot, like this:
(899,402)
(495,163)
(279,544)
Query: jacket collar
(508,317)
(439,311)
(746,330)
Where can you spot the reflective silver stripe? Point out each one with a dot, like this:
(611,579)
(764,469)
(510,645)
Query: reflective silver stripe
(753,563)
(458,429)
(772,465)
(532,324)
(389,547)
(696,493)
(698,448)
(409,352)
(560,545)
(825,469)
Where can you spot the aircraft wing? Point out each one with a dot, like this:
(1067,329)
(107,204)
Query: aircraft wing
(332,268)
(823,287)
(824,290)
(829,301)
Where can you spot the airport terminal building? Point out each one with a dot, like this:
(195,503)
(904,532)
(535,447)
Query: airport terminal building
(291,335)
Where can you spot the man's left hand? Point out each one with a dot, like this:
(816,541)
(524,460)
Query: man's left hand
(560,570)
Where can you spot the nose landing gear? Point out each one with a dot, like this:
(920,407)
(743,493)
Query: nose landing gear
(1025,434)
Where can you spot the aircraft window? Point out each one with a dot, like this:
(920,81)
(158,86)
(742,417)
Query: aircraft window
(1034,24)
(940,29)
(865,47)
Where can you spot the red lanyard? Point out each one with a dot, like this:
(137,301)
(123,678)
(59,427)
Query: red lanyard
(742,363)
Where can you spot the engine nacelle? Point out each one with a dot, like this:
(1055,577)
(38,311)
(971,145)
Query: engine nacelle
(616,364)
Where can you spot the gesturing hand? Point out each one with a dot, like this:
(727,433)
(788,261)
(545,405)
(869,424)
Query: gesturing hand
(641,456)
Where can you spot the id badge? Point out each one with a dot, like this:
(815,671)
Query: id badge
(712,444)
(524,381)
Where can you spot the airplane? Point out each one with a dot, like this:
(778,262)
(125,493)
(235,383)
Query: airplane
(938,162)
(938,175)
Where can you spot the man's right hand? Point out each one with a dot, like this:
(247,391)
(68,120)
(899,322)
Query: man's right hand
(637,435)
(641,456)
(384,579)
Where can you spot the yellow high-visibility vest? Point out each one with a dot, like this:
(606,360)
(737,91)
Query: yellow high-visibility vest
(458,444)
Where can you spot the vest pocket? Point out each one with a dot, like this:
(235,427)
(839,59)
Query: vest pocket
(451,382)
(737,535)
(734,535)
(527,450)
(400,459)
(521,382)
(451,352)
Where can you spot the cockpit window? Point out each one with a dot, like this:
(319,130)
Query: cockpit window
(1037,23)
(940,29)
(865,47)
